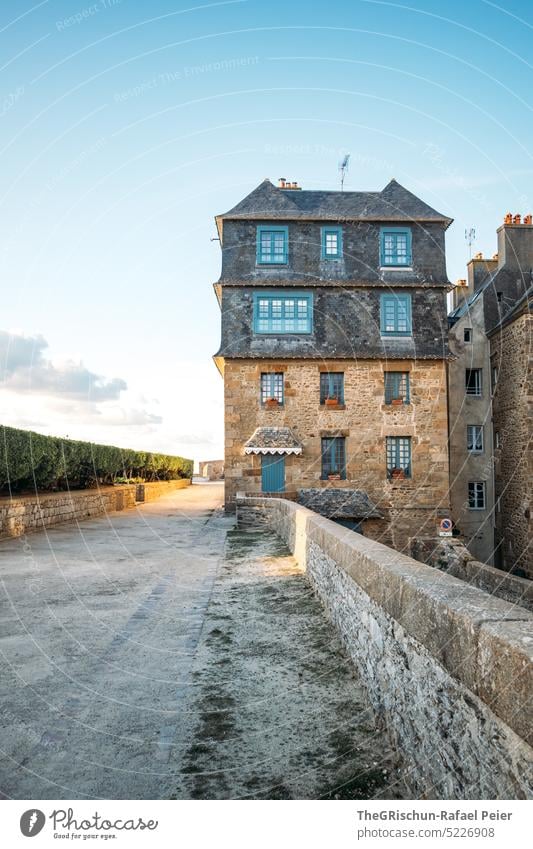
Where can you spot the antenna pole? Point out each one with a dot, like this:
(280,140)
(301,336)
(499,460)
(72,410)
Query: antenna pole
(470,236)
(343,168)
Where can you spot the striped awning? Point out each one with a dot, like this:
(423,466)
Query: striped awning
(273,440)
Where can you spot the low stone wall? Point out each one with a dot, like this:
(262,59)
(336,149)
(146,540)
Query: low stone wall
(448,668)
(35,512)
(452,556)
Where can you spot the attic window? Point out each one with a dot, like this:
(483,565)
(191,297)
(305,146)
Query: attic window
(395,246)
(272,245)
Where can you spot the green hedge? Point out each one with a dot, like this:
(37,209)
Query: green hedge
(30,461)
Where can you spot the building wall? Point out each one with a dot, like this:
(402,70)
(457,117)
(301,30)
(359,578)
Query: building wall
(346,323)
(476,526)
(410,506)
(510,349)
(213,470)
(361,260)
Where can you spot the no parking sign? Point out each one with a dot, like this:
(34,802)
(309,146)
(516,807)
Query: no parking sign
(445,528)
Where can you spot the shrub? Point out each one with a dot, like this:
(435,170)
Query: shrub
(30,460)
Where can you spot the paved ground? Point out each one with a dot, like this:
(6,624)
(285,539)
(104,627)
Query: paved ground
(159,653)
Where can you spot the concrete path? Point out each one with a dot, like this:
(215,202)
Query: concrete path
(159,653)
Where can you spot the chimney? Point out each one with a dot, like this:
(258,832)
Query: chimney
(460,292)
(515,243)
(287,184)
(477,270)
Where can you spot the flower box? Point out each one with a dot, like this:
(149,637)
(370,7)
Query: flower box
(398,474)
(397,402)
(332,402)
(272,403)
(334,477)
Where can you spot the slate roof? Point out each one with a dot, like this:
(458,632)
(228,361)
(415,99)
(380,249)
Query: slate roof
(339,503)
(393,203)
(273,440)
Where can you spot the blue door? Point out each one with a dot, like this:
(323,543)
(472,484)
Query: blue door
(272,473)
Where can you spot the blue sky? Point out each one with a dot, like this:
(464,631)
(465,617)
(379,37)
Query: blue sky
(126,126)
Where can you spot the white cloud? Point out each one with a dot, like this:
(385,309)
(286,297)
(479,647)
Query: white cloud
(23,368)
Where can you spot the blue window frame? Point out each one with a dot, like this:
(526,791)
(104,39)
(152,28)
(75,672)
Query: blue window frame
(397,386)
(395,246)
(398,455)
(272,386)
(331,242)
(333,457)
(283,312)
(396,315)
(272,245)
(332,386)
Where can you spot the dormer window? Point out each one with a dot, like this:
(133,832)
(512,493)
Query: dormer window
(395,247)
(331,243)
(272,245)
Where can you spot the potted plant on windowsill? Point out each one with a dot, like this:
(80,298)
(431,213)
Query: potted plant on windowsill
(272,403)
(334,476)
(397,402)
(397,474)
(332,401)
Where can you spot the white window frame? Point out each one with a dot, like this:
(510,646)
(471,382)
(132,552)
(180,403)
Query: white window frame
(473,432)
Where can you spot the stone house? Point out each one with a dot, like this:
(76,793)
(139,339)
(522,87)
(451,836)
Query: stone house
(213,470)
(491,392)
(333,352)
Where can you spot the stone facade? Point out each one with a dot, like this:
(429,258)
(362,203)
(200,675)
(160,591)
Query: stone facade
(213,470)
(21,515)
(410,505)
(511,349)
(448,668)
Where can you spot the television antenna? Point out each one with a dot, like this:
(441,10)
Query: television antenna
(343,168)
(470,236)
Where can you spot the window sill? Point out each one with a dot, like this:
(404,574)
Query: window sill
(332,407)
(385,335)
(399,480)
(396,268)
(260,264)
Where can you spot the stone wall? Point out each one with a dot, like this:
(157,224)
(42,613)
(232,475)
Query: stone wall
(23,514)
(410,506)
(512,410)
(448,668)
(452,557)
(213,470)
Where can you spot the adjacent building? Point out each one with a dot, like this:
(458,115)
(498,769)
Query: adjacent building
(334,350)
(490,402)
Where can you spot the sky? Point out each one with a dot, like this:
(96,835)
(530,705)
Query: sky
(126,126)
